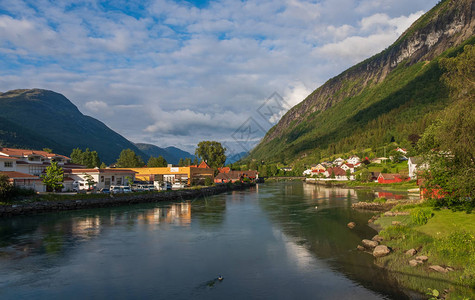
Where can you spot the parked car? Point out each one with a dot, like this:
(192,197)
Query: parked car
(125,189)
(178,185)
(115,189)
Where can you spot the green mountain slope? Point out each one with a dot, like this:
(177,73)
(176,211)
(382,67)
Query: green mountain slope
(388,97)
(49,119)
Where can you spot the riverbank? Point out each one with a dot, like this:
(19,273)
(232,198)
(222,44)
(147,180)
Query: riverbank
(396,186)
(431,249)
(95,201)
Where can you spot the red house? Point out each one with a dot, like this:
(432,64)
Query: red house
(390,178)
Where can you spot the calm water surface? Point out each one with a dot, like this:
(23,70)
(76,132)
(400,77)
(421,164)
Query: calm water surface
(276,241)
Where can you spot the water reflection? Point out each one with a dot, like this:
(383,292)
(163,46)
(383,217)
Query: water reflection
(176,214)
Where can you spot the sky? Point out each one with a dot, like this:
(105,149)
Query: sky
(173,73)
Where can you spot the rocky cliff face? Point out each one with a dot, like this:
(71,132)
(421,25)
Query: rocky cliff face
(447,25)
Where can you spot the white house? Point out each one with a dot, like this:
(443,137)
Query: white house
(338,161)
(348,167)
(103,178)
(415,164)
(307,172)
(353,160)
(24,167)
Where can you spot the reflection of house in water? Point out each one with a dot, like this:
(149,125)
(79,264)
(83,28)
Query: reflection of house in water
(86,228)
(177,213)
(321,193)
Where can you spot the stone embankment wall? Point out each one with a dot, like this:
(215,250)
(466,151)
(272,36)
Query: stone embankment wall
(116,200)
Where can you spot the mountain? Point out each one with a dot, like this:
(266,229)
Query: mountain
(36,118)
(236,157)
(389,97)
(171,154)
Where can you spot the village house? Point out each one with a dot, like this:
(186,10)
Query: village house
(379,160)
(183,175)
(338,161)
(347,166)
(353,160)
(318,167)
(235,176)
(391,178)
(102,178)
(24,167)
(338,172)
(415,164)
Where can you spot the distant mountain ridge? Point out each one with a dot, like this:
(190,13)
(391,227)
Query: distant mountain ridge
(384,98)
(171,154)
(36,119)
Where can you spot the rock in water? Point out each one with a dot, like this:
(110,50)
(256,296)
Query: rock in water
(369,243)
(381,250)
(377,238)
(351,225)
(361,248)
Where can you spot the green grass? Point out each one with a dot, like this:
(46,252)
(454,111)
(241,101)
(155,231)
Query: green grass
(445,222)
(448,239)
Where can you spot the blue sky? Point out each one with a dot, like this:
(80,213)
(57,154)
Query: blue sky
(178,72)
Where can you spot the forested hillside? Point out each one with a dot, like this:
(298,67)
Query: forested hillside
(391,97)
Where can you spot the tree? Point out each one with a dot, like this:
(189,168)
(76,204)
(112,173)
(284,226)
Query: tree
(365,175)
(87,158)
(6,188)
(102,166)
(348,174)
(49,150)
(448,144)
(53,179)
(212,153)
(89,181)
(128,159)
(181,163)
(157,162)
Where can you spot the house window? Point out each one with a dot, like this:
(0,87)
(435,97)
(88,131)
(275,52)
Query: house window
(102,178)
(8,164)
(119,181)
(113,178)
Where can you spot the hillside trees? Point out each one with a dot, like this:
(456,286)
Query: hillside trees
(128,159)
(87,158)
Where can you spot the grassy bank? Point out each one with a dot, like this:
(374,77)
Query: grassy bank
(397,186)
(446,237)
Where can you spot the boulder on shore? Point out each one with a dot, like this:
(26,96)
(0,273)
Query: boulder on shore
(361,248)
(411,252)
(414,262)
(377,238)
(351,225)
(369,243)
(381,250)
(438,269)
(422,258)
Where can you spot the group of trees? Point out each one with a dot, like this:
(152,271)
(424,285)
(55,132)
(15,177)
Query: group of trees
(448,144)
(86,158)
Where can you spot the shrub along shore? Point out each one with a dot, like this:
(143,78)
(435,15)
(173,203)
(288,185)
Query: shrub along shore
(57,202)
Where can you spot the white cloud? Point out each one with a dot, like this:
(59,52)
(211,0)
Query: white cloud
(172,72)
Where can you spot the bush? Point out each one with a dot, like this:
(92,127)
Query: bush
(208,181)
(421,216)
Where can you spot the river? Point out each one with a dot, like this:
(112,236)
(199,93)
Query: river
(275,241)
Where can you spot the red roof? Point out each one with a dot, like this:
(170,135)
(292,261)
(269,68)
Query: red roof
(25,152)
(337,171)
(224,170)
(8,157)
(203,165)
(18,175)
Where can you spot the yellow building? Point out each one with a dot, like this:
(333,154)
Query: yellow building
(186,175)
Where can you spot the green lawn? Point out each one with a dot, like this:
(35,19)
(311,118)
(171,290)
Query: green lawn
(445,222)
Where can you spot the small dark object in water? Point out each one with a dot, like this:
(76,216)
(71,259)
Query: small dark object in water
(220,278)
